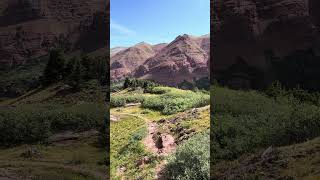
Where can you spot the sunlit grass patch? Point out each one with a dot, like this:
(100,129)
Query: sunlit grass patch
(126,148)
(58,159)
(147,114)
(201,123)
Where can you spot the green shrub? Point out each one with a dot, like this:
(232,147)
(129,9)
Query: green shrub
(117,101)
(171,101)
(160,90)
(244,122)
(135,83)
(121,100)
(116,86)
(191,159)
(34,123)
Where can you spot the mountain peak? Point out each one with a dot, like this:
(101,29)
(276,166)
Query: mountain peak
(185,58)
(142,44)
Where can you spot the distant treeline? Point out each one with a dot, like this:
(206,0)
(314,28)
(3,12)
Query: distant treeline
(201,83)
(74,71)
(300,68)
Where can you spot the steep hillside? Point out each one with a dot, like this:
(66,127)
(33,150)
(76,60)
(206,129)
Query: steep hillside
(250,29)
(182,59)
(299,161)
(157,48)
(60,133)
(264,135)
(125,61)
(28,29)
(115,50)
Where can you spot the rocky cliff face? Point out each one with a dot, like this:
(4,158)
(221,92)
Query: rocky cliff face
(249,28)
(29,28)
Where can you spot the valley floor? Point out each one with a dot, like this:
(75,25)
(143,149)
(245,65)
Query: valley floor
(54,133)
(77,158)
(142,139)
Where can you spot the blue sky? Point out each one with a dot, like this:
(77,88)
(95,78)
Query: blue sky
(156,21)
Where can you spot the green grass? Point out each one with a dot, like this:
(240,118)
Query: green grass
(199,124)
(127,148)
(298,161)
(22,79)
(191,159)
(147,114)
(128,132)
(36,122)
(56,161)
(167,100)
(33,117)
(246,121)
(59,93)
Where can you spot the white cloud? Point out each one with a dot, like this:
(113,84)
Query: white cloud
(120,29)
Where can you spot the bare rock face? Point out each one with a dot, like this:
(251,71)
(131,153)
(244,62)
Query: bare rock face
(249,28)
(126,60)
(183,59)
(29,28)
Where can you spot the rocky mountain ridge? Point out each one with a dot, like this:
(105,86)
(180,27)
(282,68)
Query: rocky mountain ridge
(184,59)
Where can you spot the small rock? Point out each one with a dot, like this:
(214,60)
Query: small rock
(157,138)
(121,170)
(146,159)
(267,152)
(143,161)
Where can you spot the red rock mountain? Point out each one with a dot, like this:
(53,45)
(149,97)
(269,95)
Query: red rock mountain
(114,51)
(247,28)
(182,59)
(29,28)
(123,62)
(158,47)
(185,58)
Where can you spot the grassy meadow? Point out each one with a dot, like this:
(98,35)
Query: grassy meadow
(54,133)
(258,135)
(180,114)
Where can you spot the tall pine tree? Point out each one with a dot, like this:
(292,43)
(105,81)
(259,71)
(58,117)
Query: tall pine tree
(54,70)
(76,76)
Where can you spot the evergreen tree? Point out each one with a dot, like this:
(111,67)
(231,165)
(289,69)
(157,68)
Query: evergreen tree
(86,62)
(69,67)
(75,78)
(54,70)
(127,83)
(101,69)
